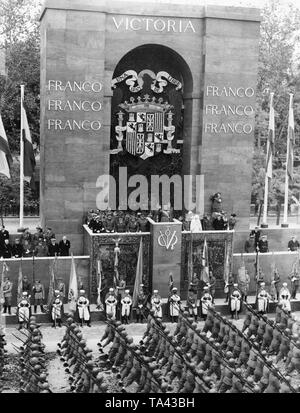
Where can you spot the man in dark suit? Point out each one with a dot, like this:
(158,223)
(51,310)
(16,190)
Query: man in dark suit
(256,233)
(53,249)
(64,247)
(17,249)
(293,244)
(263,244)
(6,250)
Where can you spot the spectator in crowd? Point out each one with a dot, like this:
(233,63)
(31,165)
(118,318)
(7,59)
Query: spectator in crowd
(37,235)
(232,222)
(64,247)
(256,233)
(41,249)
(6,250)
(53,249)
(263,244)
(250,244)
(17,249)
(26,236)
(293,244)
(48,235)
(27,249)
(4,234)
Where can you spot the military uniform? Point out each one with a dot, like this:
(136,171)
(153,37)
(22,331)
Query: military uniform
(38,295)
(23,310)
(83,308)
(111,304)
(7,295)
(263,298)
(156,304)
(126,303)
(56,311)
(206,302)
(235,302)
(174,305)
(285,298)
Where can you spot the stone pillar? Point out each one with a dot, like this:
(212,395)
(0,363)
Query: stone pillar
(74,147)
(229,90)
(165,255)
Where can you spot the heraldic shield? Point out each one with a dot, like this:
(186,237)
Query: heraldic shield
(147,126)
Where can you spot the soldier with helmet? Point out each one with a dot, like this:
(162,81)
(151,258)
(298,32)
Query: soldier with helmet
(174,305)
(206,302)
(24,310)
(141,304)
(235,302)
(192,303)
(156,304)
(126,303)
(111,304)
(263,298)
(83,308)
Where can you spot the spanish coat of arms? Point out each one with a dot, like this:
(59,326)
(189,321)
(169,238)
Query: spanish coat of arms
(145,125)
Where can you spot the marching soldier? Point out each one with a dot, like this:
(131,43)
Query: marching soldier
(23,310)
(141,304)
(235,302)
(192,303)
(156,304)
(126,303)
(111,304)
(174,305)
(263,298)
(83,307)
(56,310)
(38,295)
(285,298)
(206,302)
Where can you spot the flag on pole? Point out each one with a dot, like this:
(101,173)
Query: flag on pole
(227,265)
(99,277)
(171,282)
(271,139)
(29,159)
(116,278)
(205,264)
(73,287)
(291,140)
(138,275)
(20,282)
(5,155)
(52,282)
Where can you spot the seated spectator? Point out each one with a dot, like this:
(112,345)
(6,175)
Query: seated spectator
(26,236)
(53,249)
(41,249)
(49,234)
(232,222)
(17,249)
(4,234)
(218,222)
(37,235)
(293,244)
(256,233)
(27,249)
(250,245)
(6,250)
(263,244)
(64,247)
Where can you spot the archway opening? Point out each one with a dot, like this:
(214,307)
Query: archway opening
(149,126)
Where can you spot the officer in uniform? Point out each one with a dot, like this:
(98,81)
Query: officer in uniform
(235,302)
(38,295)
(111,304)
(126,303)
(83,308)
(206,302)
(192,303)
(24,310)
(7,295)
(141,304)
(174,305)
(295,279)
(156,304)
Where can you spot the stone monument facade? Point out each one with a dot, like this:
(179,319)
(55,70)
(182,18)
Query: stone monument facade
(210,51)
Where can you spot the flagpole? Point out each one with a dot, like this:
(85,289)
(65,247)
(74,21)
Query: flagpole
(264,223)
(268,173)
(286,186)
(22,163)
